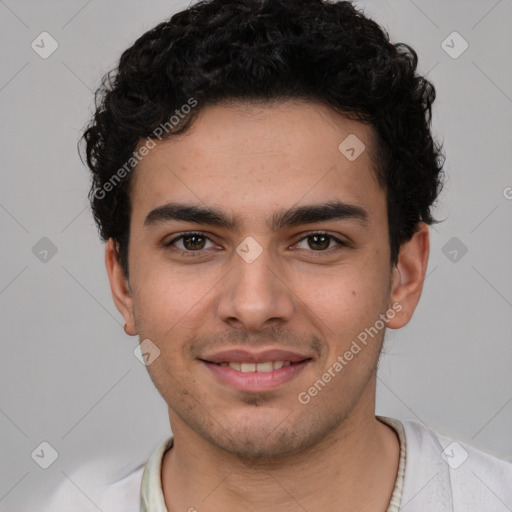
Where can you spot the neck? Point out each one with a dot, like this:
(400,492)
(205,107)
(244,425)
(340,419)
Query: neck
(359,456)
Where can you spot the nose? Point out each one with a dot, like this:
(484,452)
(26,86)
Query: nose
(255,295)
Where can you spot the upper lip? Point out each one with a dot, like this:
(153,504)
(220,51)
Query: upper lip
(245,356)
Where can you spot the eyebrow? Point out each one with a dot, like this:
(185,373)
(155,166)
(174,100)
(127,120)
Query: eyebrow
(296,216)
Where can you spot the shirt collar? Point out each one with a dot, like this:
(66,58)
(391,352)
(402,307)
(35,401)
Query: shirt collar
(151,495)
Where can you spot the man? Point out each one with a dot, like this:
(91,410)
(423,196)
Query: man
(263,175)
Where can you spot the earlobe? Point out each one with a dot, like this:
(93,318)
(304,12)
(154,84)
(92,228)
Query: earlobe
(409,275)
(119,287)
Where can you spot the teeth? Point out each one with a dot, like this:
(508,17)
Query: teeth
(267,366)
(248,367)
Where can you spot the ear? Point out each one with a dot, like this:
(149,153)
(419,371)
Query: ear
(408,276)
(119,287)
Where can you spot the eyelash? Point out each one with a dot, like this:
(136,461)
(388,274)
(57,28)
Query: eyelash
(319,253)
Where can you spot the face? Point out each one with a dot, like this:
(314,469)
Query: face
(258,255)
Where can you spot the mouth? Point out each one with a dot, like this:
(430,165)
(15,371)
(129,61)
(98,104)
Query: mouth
(264,367)
(258,374)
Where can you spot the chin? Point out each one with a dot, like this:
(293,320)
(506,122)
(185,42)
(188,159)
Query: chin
(262,437)
(259,447)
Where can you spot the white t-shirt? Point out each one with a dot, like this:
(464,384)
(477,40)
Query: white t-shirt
(436,474)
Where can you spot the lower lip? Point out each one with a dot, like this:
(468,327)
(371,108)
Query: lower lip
(256,381)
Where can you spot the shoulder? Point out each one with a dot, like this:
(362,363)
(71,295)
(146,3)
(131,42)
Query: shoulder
(92,487)
(124,494)
(469,478)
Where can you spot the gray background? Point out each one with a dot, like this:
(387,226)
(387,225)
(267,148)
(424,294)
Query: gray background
(68,375)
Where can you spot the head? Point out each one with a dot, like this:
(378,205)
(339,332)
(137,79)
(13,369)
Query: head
(293,138)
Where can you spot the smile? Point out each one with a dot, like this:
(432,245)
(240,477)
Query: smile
(266,366)
(255,377)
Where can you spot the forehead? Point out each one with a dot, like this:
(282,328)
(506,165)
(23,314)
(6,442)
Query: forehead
(253,158)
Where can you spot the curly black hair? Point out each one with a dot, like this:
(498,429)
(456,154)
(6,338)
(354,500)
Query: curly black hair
(262,51)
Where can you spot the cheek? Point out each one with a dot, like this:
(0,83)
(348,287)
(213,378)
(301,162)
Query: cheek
(348,288)
(169,301)
(343,303)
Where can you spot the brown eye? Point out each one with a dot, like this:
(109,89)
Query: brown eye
(190,243)
(319,242)
(194,242)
